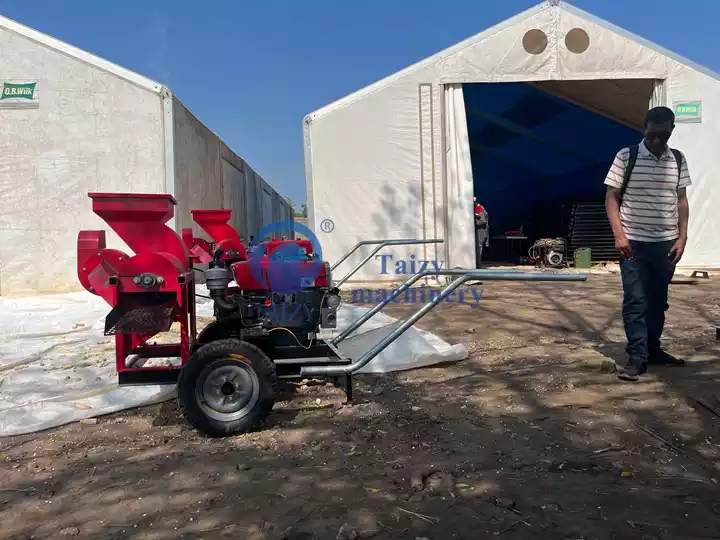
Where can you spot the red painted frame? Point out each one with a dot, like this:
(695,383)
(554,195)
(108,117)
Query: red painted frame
(140,221)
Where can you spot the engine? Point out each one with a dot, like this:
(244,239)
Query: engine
(281,285)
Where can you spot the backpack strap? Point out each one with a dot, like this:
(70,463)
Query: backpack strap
(629,166)
(679,160)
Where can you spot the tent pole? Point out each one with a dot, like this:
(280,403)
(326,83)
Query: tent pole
(422,167)
(659,95)
(434,167)
(443,161)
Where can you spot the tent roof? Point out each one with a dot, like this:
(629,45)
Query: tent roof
(545,5)
(624,101)
(80,54)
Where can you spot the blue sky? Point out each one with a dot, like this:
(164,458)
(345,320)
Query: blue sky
(278,60)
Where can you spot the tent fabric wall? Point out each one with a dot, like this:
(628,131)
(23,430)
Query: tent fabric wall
(234,176)
(698,141)
(210,175)
(366,154)
(198,167)
(92,130)
(459,178)
(96,127)
(253,194)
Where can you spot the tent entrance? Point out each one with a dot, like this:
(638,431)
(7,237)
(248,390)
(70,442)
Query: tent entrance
(540,152)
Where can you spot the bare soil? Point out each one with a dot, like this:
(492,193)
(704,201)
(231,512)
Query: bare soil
(533,436)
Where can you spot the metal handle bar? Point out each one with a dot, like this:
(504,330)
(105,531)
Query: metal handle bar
(369,242)
(467,275)
(489,275)
(382,244)
(397,292)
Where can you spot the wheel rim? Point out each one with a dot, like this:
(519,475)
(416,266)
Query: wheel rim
(227,392)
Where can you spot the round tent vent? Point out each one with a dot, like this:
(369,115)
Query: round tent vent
(577,41)
(535,41)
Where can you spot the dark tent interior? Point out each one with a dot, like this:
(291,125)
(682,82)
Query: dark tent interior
(539,162)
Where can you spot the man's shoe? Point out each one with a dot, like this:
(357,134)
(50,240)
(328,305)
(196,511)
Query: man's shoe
(661,358)
(631,372)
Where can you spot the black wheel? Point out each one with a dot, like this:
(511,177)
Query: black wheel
(227,388)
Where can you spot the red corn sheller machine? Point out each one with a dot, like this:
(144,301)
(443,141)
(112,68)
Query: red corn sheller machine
(275,309)
(148,291)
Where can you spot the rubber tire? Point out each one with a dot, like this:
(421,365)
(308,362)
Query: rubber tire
(220,351)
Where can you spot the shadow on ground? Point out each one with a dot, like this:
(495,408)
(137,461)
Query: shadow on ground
(532,437)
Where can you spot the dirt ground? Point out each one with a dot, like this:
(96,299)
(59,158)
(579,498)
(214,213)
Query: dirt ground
(531,437)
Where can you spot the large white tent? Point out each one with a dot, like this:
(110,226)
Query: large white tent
(397,159)
(73,123)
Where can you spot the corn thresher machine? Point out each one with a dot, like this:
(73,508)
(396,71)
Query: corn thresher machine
(227,374)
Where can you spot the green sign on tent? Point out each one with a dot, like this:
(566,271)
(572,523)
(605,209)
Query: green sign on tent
(20,91)
(19,95)
(688,111)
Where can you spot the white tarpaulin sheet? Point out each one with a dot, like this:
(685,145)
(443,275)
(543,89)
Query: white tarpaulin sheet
(57,367)
(391,160)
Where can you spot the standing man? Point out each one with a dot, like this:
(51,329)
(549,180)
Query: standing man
(481,231)
(647,206)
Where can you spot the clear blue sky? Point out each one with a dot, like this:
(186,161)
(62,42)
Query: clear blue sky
(278,60)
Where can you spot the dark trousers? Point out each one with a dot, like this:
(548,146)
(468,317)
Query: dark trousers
(645,280)
(480,241)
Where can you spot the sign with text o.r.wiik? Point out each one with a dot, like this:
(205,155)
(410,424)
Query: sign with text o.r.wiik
(19,95)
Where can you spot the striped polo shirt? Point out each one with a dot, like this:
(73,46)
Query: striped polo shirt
(649,209)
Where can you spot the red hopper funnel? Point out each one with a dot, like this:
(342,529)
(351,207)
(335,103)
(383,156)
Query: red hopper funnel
(215,224)
(139,220)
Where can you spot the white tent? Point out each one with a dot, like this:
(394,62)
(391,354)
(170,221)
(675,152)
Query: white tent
(73,123)
(396,159)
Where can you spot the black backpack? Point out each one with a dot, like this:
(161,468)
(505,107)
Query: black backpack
(631,165)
